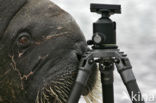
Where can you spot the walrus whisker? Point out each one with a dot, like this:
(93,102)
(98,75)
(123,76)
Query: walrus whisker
(63,92)
(56,88)
(53,94)
(45,96)
(37,97)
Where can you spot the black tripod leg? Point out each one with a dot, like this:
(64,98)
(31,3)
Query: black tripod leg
(76,93)
(107,83)
(125,69)
(134,92)
(86,67)
(108,93)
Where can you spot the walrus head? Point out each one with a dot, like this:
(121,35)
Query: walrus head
(40,50)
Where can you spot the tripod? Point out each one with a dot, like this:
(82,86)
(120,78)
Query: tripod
(106,54)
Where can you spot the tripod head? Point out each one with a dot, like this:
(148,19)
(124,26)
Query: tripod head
(104,30)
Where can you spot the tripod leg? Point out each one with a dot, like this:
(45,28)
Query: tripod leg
(134,92)
(107,82)
(125,70)
(86,67)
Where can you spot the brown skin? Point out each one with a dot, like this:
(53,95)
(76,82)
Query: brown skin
(40,51)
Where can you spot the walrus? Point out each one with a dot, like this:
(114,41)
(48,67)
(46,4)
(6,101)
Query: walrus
(40,49)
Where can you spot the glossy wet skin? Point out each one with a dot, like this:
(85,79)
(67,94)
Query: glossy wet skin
(40,52)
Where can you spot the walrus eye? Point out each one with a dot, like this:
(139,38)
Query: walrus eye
(24,40)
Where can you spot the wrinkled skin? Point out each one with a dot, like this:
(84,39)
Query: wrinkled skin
(40,50)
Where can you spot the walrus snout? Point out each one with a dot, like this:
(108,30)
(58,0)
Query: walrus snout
(41,47)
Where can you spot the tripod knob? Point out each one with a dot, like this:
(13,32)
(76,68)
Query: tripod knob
(98,38)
